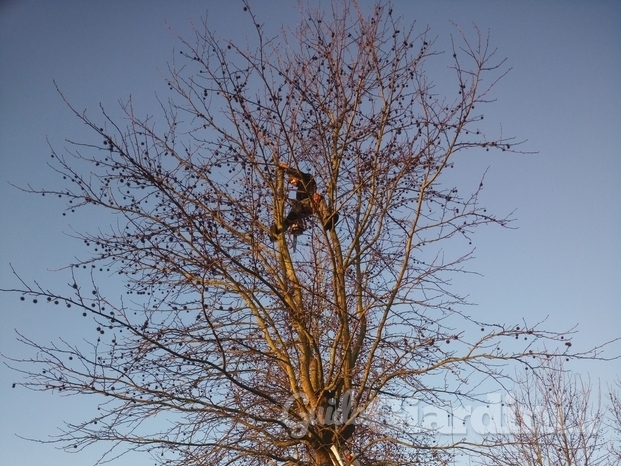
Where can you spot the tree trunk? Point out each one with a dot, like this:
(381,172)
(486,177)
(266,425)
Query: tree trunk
(323,456)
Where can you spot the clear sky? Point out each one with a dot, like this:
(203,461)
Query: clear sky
(563,95)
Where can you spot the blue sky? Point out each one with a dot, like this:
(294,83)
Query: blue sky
(562,95)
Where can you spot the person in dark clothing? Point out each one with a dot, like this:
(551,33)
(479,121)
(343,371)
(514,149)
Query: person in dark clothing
(302,206)
(306,203)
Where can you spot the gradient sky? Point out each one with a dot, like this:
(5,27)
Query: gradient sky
(562,95)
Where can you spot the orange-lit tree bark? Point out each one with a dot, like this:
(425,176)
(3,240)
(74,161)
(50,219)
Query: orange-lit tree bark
(254,352)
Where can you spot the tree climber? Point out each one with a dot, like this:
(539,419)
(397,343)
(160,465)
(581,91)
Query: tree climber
(307,202)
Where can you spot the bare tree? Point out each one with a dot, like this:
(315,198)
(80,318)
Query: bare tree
(257,329)
(555,419)
(615,420)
